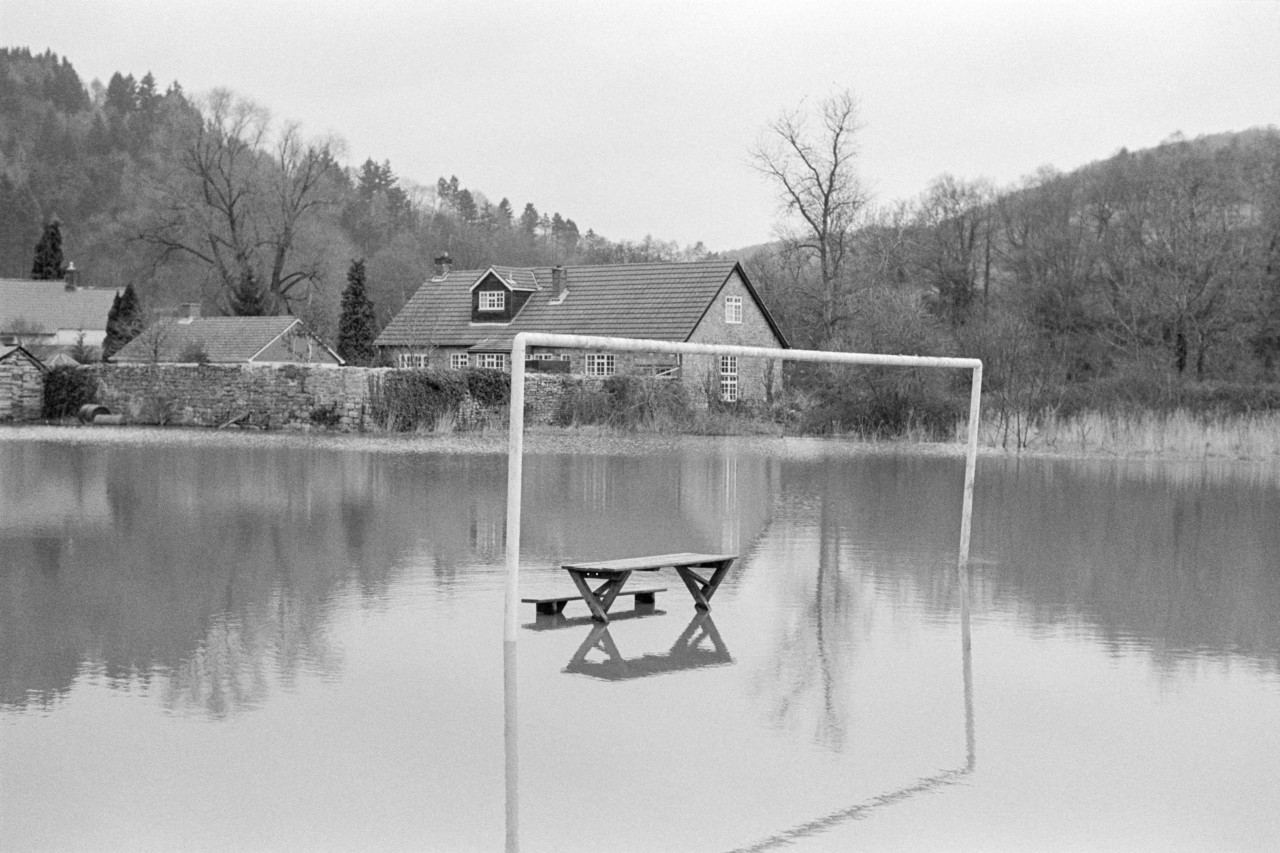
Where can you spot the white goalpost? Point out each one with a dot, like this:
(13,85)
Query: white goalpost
(515,451)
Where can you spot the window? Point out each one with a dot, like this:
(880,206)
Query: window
(600,364)
(493,360)
(458,360)
(729,378)
(412,359)
(493,300)
(733,309)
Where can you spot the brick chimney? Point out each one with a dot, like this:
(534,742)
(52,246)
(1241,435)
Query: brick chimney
(187,311)
(444,264)
(71,276)
(559,283)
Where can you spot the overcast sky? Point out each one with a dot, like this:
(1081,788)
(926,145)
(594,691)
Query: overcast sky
(636,118)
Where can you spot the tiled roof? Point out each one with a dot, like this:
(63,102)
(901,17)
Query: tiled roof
(226,340)
(516,278)
(16,353)
(659,301)
(48,305)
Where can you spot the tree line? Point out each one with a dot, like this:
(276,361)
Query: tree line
(209,199)
(1129,280)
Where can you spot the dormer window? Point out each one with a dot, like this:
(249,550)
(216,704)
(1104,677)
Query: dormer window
(493,300)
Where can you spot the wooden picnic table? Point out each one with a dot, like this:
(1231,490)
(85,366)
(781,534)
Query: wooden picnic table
(614,573)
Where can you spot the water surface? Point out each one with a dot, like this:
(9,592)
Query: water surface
(279,643)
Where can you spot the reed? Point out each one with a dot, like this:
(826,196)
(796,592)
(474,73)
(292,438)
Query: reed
(1174,435)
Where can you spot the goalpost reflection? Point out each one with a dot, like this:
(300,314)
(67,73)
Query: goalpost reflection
(688,645)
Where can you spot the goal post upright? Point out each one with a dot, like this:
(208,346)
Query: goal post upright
(515,439)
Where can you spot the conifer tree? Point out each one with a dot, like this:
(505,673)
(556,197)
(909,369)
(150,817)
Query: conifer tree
(124,321)
(47,265)
(357,326)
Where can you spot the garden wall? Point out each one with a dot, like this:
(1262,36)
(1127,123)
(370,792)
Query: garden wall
(275,396)
(21,387)
(270,396)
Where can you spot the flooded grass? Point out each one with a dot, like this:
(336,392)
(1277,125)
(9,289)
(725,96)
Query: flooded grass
(1177,436)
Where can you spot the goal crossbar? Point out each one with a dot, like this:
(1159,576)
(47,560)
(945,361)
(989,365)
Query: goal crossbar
(515,449)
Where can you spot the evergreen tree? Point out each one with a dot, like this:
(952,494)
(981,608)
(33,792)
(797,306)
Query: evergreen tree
(357,327)
(465,204)
(529,219)
(47,265)
(124,321)
(504,214)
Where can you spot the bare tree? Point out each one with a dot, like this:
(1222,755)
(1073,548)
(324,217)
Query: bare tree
(26,332)
(820,193)
(954,251)
(237,199)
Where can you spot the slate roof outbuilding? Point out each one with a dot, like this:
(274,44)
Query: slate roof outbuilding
(657,301)
(50,306)
(225,340)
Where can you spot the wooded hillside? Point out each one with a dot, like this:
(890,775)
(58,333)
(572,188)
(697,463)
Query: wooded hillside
(1150,280)
(207,199)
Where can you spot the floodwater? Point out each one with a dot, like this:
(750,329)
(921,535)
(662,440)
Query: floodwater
(262,642)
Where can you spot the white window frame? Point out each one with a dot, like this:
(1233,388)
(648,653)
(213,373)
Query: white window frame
(729,378)
(600,364)
(492,361)
(733,309)
(492,300)
(459,360)
(408,360)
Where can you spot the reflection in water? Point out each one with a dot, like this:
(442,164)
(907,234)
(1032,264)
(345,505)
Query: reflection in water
(865,808)
(214,572)
(210,580)
(699,645)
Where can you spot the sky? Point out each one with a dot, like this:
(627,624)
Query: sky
(636,118)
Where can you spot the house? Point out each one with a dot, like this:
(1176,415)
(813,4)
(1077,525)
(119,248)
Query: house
(53,313)
(227,340)
(21,385)
(468,318)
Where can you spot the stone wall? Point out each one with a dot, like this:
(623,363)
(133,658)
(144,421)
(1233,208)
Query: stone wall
(269,396)
(543,391)
(277,396)
(21,388)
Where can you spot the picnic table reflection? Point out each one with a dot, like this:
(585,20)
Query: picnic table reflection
(699,645)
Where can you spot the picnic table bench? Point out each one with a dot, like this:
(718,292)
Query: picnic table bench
(614,573)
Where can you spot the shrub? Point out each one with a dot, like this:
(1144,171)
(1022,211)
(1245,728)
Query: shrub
(404,400)
(326,416)
(1137,391)
(193,353)
(892,402)
(645,401)
(66,389)
(488,387)
(626,402)
(582,404)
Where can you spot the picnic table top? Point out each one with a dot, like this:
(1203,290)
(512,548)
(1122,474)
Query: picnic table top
(646,564)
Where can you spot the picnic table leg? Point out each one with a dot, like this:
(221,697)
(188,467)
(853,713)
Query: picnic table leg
(601,598)
(701,588)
